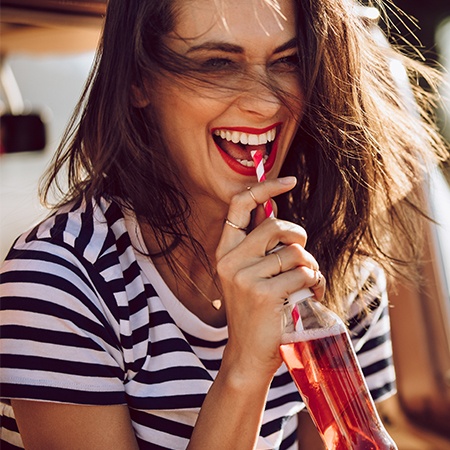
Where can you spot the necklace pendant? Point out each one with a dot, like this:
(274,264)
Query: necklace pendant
(216,304)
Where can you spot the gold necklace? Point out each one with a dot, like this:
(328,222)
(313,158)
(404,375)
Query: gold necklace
(216,304)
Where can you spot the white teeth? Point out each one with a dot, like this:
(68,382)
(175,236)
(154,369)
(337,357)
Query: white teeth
(247,163)
(235,136)
(253,139)
(273,133)
(247,138)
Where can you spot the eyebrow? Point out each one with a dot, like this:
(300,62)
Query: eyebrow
(232,48)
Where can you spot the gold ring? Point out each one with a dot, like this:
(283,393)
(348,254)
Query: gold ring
(252,194)
(279,262)
(233,225)
(319,278)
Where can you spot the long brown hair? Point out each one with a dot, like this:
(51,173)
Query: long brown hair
(361,147)
(364,147)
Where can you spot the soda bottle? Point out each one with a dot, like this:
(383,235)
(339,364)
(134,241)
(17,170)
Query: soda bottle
(317,350)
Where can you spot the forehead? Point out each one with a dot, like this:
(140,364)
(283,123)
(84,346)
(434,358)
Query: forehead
(252,22)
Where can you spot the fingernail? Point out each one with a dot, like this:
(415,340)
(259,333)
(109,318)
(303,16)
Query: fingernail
(287,180)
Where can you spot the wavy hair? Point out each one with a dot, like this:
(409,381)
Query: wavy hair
(362,146)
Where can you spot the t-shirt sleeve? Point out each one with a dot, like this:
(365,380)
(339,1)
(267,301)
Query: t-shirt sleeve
(59,340)
(369,327)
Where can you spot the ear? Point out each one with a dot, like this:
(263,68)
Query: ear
(140,96)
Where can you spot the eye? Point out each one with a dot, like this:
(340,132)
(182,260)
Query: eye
(218,64)
(289,62)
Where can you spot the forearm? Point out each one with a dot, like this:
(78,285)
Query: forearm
(231,414)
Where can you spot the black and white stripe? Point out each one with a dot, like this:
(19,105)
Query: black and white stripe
(86,319)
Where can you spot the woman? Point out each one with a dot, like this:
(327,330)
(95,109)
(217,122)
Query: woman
(145,312)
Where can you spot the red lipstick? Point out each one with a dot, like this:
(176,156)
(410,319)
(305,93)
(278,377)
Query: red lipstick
(235,165)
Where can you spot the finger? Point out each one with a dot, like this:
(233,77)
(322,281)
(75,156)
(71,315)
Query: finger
(300,278)
(294,260)
(256,195)
(277,288)
(319,286)
(294,255)
(273,232)
(241,206)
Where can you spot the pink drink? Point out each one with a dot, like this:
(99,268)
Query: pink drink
(329,378)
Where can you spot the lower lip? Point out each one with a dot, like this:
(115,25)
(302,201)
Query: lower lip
(237,167)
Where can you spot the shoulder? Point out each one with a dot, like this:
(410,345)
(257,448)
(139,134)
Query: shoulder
(86,228)
(75,254)
(87,236)
(369,291)
(368,316)
(369,327)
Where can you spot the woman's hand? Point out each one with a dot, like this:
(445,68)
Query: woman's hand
(255,283)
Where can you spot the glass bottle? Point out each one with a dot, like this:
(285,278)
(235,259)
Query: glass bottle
(317,350)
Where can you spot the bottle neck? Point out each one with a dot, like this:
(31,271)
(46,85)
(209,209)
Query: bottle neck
(299,296)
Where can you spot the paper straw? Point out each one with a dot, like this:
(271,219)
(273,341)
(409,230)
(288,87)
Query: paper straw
(261,175)
(296,318)
(257,157)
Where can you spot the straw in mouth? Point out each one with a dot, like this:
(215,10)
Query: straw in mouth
(239,145)
(258,157)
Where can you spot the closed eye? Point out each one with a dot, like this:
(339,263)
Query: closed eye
(289,62)
(218,64)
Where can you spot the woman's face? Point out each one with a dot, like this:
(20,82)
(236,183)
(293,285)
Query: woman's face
(211,129)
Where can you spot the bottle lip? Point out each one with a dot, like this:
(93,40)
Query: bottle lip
(299,296)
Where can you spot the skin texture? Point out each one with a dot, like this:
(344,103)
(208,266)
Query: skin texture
(57,426)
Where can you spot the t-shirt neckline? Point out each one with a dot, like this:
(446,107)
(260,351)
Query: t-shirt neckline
(181,315)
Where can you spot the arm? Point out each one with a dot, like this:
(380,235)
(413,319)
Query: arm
(74,426)
(234,405)
(254,287)
(56,352)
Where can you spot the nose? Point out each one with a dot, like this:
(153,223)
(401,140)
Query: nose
(259,100)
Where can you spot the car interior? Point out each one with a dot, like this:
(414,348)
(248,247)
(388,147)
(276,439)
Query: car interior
(418,416)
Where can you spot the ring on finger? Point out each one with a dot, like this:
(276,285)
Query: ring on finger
(233,225)
(319,276)
(252,194)
(280,264)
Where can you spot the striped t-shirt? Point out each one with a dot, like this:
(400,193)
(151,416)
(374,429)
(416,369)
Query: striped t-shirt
(87,319)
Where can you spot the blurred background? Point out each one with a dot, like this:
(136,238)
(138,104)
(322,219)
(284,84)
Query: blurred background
(46,53)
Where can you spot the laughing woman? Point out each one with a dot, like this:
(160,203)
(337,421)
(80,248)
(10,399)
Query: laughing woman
(145,311)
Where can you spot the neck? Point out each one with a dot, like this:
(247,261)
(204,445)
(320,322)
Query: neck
(184,283)
(207,228)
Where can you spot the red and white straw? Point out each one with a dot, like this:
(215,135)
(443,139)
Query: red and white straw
(257,157)
(261,175)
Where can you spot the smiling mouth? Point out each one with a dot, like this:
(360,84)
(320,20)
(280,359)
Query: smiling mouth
(238,144)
